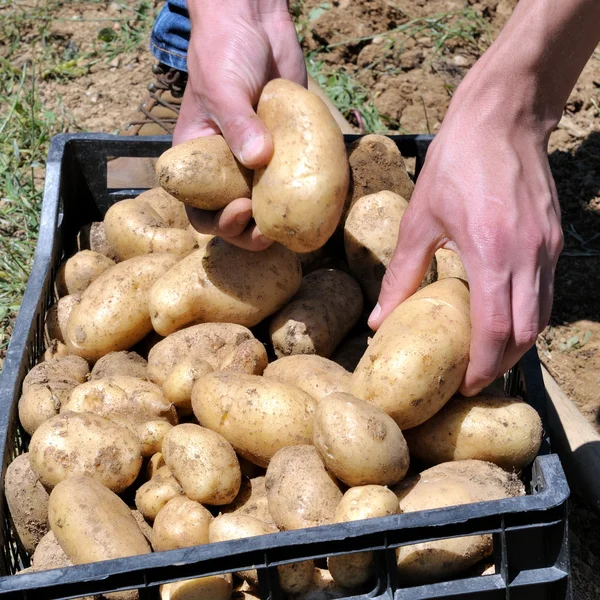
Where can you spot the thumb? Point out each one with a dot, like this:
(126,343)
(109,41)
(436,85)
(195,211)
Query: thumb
(416,245)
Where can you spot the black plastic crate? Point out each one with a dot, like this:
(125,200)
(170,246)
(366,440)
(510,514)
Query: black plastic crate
(530,533)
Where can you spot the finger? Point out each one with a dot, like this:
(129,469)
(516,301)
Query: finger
(417,241)
(192,122)
(491,326)
(201,220)
(234,218)
(252,239)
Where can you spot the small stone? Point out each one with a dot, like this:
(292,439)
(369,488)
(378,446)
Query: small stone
(460,61)
(115,62)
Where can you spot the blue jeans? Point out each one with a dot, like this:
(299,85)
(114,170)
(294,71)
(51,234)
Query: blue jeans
(171,35)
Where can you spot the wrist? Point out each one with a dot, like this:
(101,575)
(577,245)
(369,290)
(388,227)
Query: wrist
(224,10)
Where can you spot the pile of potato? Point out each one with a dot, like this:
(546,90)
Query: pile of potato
(193,392)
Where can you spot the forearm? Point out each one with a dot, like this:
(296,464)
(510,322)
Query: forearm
(531,68)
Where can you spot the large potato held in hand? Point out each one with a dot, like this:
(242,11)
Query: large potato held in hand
(298,198)
(225,284)
(418,357)
(204,173)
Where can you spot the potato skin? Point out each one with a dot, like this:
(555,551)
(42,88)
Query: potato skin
(419,355)
(504,431)
(152,496)
(203,462)
(327,305)
(178,385)
(248,411)
(49,555)
(120,363)
(77,444)
(249,357)
(300,491)
(93,237)
(113,312)
(58,315)
(252,500)
(449,265)
(91,523)
(27,502)
(76,274)
(358,442)
(214,587)
(314,374)
(222,283)
(179,524)
(298,198)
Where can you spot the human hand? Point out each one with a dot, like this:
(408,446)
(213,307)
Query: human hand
(486,192)
(236,47)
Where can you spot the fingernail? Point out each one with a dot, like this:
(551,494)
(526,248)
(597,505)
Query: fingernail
(252,149)
(375,314)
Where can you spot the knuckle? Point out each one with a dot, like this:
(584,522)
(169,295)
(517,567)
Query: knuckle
(497,328)
(525,336)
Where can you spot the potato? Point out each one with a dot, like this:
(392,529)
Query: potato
(58,315)
(210,342)
(47,386)
(351,350)
(151,435)
(27,502)
(134,228)
(169,209)
(91,523)
(75,275)
(204,173)
(298,198)
(203,462)
(113,313)
(77,444)
(178,385)
(326,307)
(300,490)
(419,355)
(316,375)
(370,238)
(179,524)
(55,349)
(155,462)
(251,500)
(144,526)
(257,416)
(365,502)
(215,587)
(322,587)
(449,265)
(293,578)
(451,484)
(249,357)
(93,237)
(358,442)
(49,555)
(120,363)
(504,431)
(153,495)
(223,283)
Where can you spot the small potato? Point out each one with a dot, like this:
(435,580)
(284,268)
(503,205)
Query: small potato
(370,238)
(210,342)
(358,442)
(120,363)
(504,431)
(298,198)
(55,349)
(113,313)
(76,274)
(300,490)
(222,283)
(314,374)
(326,307)
(76,444)
(68,369)
(252,500)
(248,411)
(204,463)
(178,385)
(153,495)
(351,350)
(203,172)
(293,578)
(215,587)
(155,462)
(134,228)
(93,237)
(58,315)
(91,523)
(419,355)
(27,502)
(449,265)
(49,555)
(249,357)
(179,524)
(151,435)
(322,587)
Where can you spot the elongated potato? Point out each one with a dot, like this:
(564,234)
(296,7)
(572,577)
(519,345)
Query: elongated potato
(152,496)
(249,410)
(204,173)
(27,502)
(449,265)
(504,431)
(203,462)
(314,374)
(221,283)
(91,523)
(358,442)
(370,238)
(85,444)
(76,274)
(179,524)
(419,355)
(326,307)
(113,313)
(298,198)
(300,491)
